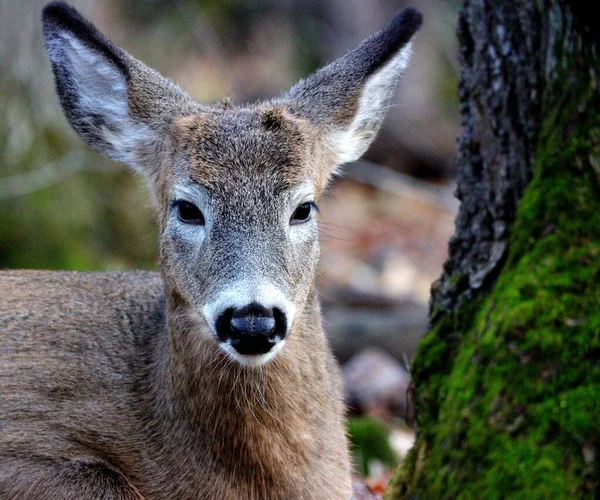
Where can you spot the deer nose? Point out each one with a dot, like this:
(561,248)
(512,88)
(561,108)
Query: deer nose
(253,329)
(252,325)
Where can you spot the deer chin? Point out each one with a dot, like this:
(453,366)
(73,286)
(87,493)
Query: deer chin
(251,360)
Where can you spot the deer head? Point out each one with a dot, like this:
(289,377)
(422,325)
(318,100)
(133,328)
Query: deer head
(236,187)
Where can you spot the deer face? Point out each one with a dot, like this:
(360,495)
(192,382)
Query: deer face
(239,232)
(236,188)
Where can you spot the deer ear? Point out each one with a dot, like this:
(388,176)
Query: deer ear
(114,102)
(347,100)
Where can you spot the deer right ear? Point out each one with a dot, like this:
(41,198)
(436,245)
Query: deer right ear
(348,99)
(113,101)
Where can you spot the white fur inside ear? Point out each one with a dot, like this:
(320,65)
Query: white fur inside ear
(351,142)
(101,99)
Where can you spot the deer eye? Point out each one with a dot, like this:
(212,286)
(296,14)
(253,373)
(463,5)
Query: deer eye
(188,213)
(302,213)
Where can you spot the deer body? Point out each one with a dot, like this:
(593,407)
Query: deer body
(109,399)
(212,379)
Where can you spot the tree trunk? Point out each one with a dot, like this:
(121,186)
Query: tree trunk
(507,381)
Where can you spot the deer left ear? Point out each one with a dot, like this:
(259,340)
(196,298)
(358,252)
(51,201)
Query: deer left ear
(348,99)
(118,105)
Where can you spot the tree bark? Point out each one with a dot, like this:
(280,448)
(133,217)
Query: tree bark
(507,381)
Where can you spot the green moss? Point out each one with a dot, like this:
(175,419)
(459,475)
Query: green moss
(509,398)
(370,441)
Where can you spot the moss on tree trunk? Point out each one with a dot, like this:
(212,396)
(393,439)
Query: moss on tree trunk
(507,381)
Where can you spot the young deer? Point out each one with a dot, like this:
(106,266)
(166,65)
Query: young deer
(212,379)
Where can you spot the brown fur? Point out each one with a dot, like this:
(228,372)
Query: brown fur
(91,378)
(221,146)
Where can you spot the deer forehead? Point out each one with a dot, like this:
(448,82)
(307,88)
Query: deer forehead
(229,149)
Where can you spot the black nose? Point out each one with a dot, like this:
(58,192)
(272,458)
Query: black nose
(252,329)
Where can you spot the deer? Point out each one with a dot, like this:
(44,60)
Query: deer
(211,378)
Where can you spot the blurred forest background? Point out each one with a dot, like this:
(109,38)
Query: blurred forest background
(385,224)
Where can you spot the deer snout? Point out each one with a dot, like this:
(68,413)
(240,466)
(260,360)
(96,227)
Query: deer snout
(250,320)
(253,329)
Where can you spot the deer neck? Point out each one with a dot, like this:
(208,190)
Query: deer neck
(213,398)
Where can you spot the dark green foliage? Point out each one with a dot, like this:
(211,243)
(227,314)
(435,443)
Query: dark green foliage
(93,222)
(370,441)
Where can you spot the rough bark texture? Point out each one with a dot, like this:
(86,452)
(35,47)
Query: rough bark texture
(499,45)
(507,381)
